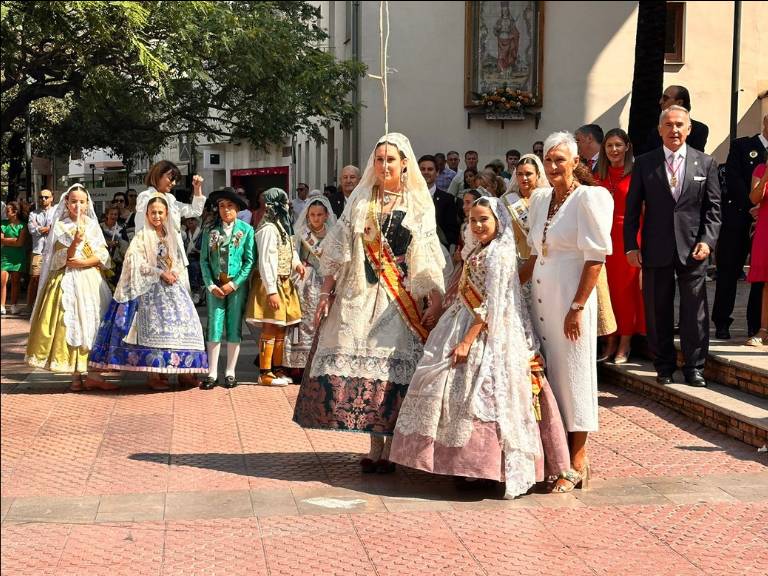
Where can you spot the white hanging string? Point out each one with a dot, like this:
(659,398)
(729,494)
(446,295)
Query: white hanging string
(383,49)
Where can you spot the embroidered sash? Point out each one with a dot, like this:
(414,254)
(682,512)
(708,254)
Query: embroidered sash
(312,244)
(469,292)
(382,259)
(519,212)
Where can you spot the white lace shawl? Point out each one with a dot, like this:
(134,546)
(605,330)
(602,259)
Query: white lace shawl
(301,227)
(140,267)
(343,254)
(62,232)
(509,348)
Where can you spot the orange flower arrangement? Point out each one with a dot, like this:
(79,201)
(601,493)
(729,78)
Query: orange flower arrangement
(505,99)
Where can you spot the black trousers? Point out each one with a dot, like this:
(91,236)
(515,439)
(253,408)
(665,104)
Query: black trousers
(659,299)
(733,246)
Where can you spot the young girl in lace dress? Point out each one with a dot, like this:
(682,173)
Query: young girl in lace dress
(471,407)
(151,324)
(311,228)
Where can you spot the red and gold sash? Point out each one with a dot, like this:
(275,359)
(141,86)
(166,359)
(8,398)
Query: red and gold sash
(381,257)
(470,294)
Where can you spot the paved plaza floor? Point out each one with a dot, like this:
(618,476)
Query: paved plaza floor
(222,482)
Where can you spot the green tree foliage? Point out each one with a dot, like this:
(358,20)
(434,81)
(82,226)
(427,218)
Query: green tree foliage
(131,75)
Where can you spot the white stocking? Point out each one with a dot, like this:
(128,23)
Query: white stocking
(233,351)
(213,359)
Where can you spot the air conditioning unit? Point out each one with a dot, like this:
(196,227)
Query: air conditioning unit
(213,159)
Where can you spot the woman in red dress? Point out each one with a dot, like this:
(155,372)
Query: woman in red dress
(758,264)
(614,172)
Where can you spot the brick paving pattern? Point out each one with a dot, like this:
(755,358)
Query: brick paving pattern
(222,482)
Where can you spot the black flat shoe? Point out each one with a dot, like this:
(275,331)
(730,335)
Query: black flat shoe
(385,467)
(722,334)
(695,379)
(229,382)
(208,384)
(368,466)
(664,380)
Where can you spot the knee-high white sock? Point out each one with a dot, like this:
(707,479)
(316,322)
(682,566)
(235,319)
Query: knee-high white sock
(213,359)
(233,351)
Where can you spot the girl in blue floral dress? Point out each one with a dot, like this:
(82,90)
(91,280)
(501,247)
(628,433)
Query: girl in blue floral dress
(151,324)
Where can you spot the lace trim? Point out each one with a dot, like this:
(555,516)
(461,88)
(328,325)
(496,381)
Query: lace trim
(396,368)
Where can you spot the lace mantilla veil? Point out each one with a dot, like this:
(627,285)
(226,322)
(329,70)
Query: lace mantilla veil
(140,266)
(60,234)
(343,246)
(510,346)
(301,227)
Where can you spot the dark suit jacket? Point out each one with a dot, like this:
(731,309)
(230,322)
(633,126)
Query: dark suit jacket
(671,230)
(446,215)
(696,139)
(744,154)
(338,202)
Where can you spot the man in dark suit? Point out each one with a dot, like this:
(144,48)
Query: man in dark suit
(734,243)
(350,177)
(446,212)
(678,96)
(676,189)
(589,139)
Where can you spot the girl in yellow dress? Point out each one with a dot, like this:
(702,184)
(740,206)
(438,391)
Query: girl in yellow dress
(273,301)
(74,293)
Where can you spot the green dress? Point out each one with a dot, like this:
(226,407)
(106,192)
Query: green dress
(13,258)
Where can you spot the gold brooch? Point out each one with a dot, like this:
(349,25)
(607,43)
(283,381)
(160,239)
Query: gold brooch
(753,154)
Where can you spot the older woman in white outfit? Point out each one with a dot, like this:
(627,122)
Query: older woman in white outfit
(570,235)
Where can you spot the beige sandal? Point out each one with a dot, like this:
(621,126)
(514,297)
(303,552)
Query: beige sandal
(759,339)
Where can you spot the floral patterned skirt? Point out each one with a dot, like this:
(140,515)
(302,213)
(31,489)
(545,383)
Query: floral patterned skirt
(159,331)
(349,404)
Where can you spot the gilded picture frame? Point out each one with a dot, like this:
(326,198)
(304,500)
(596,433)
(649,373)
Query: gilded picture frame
(503,47)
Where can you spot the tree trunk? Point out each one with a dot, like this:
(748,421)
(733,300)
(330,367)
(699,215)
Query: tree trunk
(648,78)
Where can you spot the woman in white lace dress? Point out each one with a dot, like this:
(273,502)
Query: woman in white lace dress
(382,263)
(470,407)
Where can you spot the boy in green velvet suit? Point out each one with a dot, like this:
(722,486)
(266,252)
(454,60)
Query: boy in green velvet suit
(226,260)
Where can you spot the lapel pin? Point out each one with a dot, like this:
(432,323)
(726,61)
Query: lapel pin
(753,154)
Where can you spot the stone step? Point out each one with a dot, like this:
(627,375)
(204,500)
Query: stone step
(741,367)
(739,414)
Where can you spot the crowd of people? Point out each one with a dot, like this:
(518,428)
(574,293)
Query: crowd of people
(452,315)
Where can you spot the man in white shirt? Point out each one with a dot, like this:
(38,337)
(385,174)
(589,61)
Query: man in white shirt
(245,214)
(457,184)
(39,226)
(298,204)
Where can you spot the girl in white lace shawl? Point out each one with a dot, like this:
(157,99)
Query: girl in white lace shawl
(151,324)
(311,228)
(74,294)
(384,260)
(469,410)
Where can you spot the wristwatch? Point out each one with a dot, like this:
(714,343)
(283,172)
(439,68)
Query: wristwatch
(577,306)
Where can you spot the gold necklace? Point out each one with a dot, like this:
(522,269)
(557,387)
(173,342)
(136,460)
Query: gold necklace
(553,208)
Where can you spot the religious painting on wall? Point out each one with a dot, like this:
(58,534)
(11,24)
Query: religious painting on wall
(503,51)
